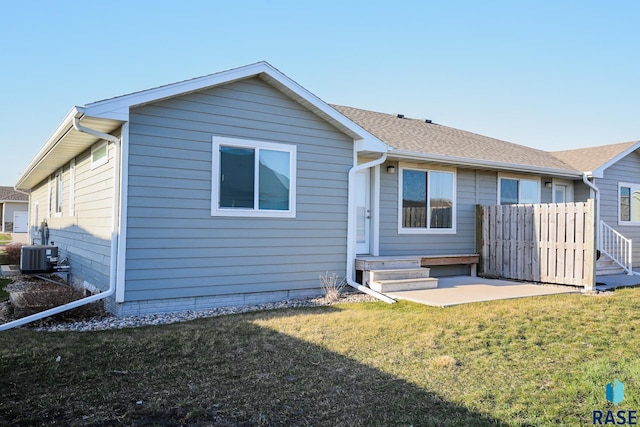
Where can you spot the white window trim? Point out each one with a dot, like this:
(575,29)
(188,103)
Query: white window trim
(102,161)
(72,187)
(216,210)
(519,178)
(427,230)
(630,185)
(59,196)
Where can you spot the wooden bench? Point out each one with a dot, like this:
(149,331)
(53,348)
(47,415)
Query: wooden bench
(436,260)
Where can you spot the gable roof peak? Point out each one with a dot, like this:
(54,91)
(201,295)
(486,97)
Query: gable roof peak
(594,160)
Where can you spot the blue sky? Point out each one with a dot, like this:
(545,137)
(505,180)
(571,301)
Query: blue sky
(546,74)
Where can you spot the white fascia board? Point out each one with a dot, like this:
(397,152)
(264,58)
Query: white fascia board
(599,172)
(120,105)
(372,144)
(485,164)
(360,135)
(118,108)
(63,128)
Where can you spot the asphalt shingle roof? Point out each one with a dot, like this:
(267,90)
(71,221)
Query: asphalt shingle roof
(9,194)
(591,158)
(422,137)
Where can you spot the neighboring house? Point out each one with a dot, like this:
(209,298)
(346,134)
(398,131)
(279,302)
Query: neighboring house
(13,213)
(615,171)
(242,187)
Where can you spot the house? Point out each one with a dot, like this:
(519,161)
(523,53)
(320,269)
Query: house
(241,187)
(13,213)
(614,171)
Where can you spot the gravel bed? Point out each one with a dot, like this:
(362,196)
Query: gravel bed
(104,323)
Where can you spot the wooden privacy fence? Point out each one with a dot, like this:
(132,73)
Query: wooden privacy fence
(552,243)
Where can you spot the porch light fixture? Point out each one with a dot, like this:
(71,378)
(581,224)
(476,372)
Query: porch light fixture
(391,169)
(547,184)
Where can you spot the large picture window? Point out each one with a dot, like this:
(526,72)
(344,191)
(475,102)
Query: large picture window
(428,201)
(519,191)
(629,203)
(253,178)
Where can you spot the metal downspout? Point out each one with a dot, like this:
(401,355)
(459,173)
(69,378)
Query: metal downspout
(114,241)
(351,251)
(596,192)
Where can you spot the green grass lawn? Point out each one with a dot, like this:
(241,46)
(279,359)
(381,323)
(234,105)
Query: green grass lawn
(526,362)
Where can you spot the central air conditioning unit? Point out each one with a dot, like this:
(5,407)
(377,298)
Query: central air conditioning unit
(38,259)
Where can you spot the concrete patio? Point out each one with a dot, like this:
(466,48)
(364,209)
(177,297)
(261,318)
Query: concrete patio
(614,281)
(466,289)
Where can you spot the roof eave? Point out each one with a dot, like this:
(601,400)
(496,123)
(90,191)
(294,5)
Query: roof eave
(118,108)
(484,164)
(64,144)
(599,171)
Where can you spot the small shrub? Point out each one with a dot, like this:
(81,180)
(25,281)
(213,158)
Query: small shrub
(32,296)
(330,286)
(12,252)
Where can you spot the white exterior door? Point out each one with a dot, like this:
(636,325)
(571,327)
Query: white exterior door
(20,222)
(562,191)
(363,211)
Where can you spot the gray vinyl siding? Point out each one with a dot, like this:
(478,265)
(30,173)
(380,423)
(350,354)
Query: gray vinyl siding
(474,187)
(581,193)
(84,238)
(176,249)
(463,241)
(625,170)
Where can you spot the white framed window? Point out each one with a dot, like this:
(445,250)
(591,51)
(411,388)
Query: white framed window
(99,154)
(514,190)
(427,202)
(72,187)
(58,194)
(628,203)
(253,178)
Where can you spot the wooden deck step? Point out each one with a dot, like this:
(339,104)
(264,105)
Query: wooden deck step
(387,263)
(404,284)
(398,273)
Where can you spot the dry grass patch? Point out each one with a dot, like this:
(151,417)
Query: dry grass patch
(441,363)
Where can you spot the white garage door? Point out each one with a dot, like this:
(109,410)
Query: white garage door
(20,222)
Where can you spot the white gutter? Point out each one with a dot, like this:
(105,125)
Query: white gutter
(596,192)
(114,241)
(484,164)
(351,238)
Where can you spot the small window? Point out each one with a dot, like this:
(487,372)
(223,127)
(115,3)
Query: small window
(428,201)
(519,191)
(72,187)
(629,203)
(58,194)
(99,154)
(253,178)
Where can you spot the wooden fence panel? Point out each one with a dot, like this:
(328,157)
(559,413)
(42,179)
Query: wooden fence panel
(552,243)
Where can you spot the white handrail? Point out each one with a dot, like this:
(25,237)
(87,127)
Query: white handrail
(616,246)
